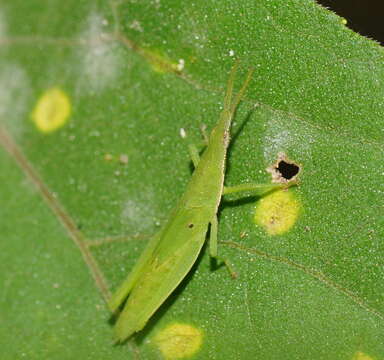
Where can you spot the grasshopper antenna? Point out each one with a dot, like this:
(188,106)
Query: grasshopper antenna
(240,94)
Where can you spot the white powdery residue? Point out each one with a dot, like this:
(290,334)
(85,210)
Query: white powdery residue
(14,92)
(194,31)
(99,60)
(282,134)
(136,25)
(275,142)
(139,214)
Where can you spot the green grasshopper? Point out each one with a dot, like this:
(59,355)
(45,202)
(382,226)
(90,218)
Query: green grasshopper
(171,253)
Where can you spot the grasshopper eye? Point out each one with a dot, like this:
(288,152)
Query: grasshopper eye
(191,225)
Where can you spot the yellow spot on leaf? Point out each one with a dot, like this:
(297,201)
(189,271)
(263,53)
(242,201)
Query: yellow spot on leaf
(52,110)
(179,341)
(277,212)
(108,157)
(161,63)
(359,355)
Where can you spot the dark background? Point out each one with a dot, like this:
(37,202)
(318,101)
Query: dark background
(364,16)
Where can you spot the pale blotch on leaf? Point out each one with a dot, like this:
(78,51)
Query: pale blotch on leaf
(52,110)
(359,355)
(277,212)
(179,341)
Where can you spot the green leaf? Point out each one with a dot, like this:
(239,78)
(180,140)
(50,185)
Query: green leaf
(93,96)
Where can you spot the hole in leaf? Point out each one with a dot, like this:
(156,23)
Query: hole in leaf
(287,170)
(284,170)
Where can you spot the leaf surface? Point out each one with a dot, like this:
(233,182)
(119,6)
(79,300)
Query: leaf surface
(82,193)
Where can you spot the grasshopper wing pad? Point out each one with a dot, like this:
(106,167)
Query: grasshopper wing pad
(170,263)
(122,292)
